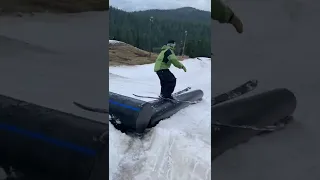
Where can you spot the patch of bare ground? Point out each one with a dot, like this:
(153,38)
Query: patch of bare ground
(125,54)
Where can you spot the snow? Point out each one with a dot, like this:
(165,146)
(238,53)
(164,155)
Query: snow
(113,42)
(178,147)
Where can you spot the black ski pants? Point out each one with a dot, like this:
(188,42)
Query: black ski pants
(167,82)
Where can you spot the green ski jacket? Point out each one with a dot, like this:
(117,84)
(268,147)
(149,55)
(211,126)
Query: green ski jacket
(166,58)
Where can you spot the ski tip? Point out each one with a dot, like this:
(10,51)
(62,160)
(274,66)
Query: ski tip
(76,103)
(79,104)
(92,109)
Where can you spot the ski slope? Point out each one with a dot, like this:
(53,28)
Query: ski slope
(177,148)
(114,42)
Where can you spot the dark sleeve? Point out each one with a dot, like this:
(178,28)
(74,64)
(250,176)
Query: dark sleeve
(220,11)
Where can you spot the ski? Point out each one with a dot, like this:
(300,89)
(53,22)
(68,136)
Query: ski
(182,91)
(270,128)
(172,100)
(239,91)
(105,111)
(92,109)
(174,94)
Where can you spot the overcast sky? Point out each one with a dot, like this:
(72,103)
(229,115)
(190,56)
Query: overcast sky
(135,5)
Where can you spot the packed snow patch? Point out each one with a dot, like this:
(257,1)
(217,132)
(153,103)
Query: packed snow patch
(178,147)
(115,42)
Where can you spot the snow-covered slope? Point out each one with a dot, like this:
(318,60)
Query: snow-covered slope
(113,42)
(178,148)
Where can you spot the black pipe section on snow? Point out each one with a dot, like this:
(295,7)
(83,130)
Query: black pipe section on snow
(42,142)
(260,110)
(133,115)
(129,114)
(163,109)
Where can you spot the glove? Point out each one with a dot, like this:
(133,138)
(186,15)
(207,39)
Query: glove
(236,22)
(184,68)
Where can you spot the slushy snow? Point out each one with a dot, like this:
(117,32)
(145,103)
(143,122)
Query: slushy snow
(114,42)
(178,148)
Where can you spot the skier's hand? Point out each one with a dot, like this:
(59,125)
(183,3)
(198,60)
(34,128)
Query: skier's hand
(184,68)
(237,24)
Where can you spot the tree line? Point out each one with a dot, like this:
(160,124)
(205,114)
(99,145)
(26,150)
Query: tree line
(151,33)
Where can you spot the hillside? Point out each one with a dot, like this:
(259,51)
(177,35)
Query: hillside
(121,53)
(125,54)
(185,14)
(136,28)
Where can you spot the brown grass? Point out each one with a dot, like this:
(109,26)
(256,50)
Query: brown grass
(125,54)
(62,6)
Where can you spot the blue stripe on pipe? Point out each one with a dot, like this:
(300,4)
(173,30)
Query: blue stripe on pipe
(47,139)
(124,105)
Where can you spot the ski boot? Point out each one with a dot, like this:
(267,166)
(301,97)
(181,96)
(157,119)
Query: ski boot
(170,98)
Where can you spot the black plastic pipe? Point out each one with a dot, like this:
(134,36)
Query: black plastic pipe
(163,109)
(129,114)
(259,110)
(133,115)
(42,142)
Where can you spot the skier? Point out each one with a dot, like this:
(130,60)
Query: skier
(224,14)
(219,12)
(161,67)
